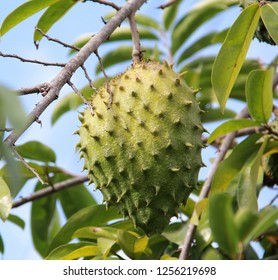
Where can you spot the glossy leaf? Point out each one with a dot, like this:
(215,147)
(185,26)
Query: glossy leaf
(230,126)
(17,221)
(269,15)
(259,94)
(96,232)
(233,164)
(51,16)
(175,232)
(24,11)
(42,214)
(62,252)
(169,14)
(37,151)
(194,19)
(104,246)
(247,187)
(221,219)
(5,200)
(96,215)
(127,241)
(233,52)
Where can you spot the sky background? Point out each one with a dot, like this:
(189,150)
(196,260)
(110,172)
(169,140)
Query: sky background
(83,18)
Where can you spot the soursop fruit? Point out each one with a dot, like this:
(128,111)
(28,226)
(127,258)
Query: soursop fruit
(144,151)
(261,32)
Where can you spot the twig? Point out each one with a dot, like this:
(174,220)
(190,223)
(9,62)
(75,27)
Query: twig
(273,199)
(5,129)
(136,49)
(33,170)
(33,60)
(41,88)
(66,73)
(107,3)
(49,190)
(106,79)
(167,4)
(57,40)
(82,97)
(206,187)
(88,77)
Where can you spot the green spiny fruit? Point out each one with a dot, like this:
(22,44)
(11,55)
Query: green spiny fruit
(144,152)
(261,32)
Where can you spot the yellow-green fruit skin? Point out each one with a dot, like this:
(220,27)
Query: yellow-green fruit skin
(144,152)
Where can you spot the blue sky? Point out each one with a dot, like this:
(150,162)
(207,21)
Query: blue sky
(14,74)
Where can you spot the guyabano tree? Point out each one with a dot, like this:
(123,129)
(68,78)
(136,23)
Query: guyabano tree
(164,97)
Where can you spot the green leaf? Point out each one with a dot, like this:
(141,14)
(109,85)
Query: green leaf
(2,247)
(96,215)
(120,34)
(5,200)
(16,116)
(37,151)
(147,21)
(70,102)
(267,219)
(96,232)
(104,246)
(194,19)
(169,14)
(17,221)
(247,187)
(123,53)
(231,126)
(73,199)
(232,165)
(233,52)
(51,16)
(42,214)
(127,241)
(64,251)
(24,11)
(269,15)
(245,220)
(198,45)
(259,94)
(221,219)
(215,114)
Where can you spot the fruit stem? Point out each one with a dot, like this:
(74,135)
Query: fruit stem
(136,49)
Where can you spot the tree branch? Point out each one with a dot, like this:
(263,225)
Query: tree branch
(41,88)
(50,190)
(33,60)
(66,73)
(206,187)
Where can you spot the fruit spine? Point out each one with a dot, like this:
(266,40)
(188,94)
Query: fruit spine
(144,153)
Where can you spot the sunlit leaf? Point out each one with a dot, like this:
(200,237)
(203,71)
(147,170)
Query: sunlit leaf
(96,215)
(104,246)
(221,219)
(259,94)
(127,242)
(37,151)
(231,126)
(269,14)
(233,52)
(24,11)
(63,251)
(96,232)
(5,200)
(51,16)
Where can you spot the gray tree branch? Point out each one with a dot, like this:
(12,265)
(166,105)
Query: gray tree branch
(66,73)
